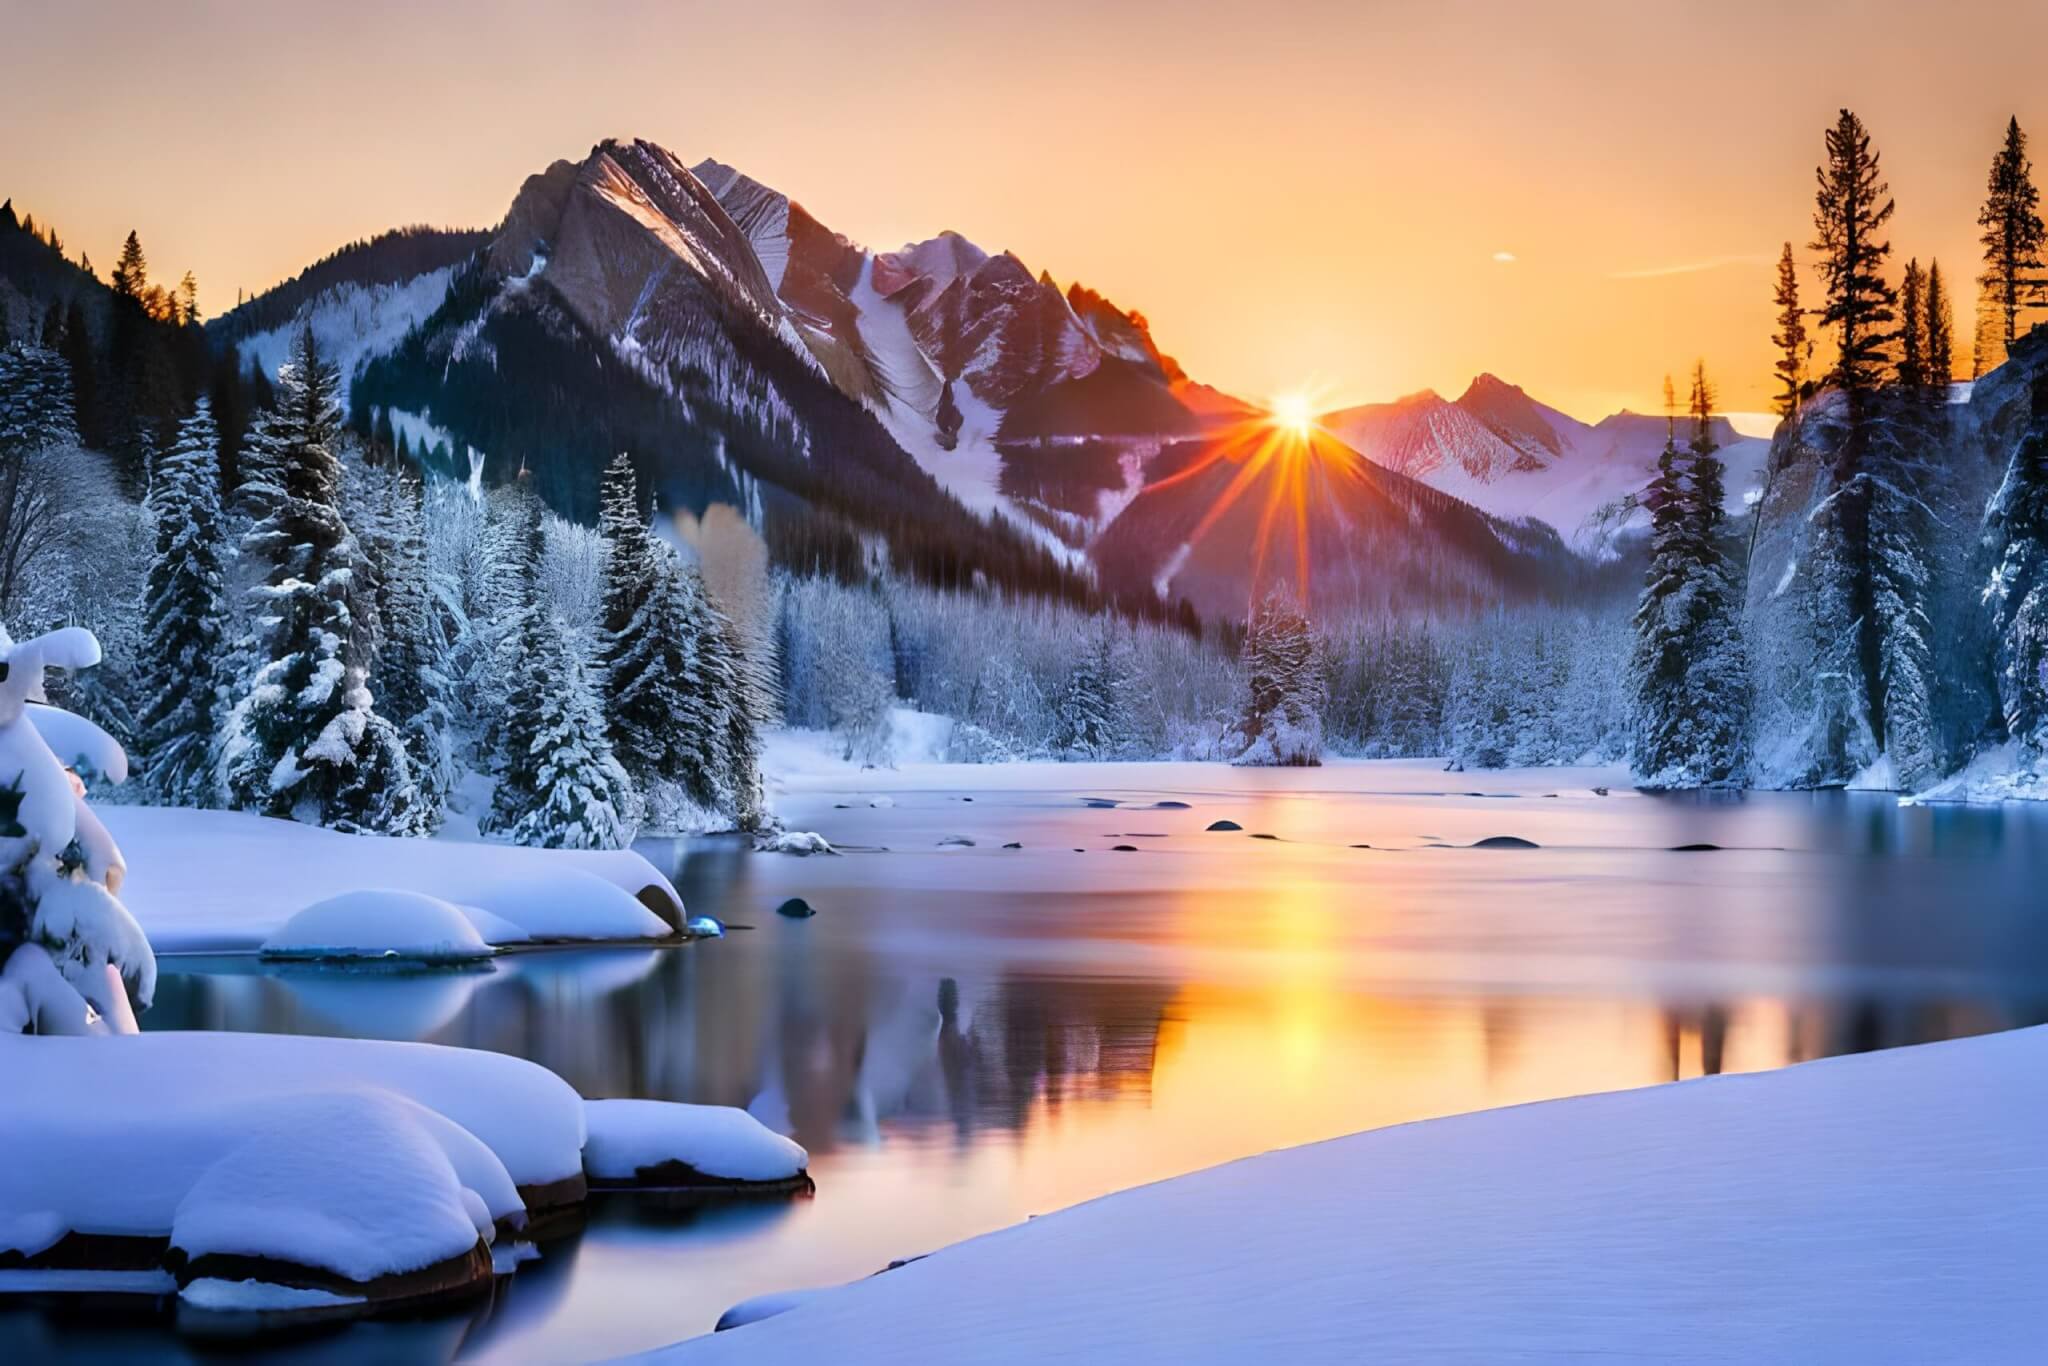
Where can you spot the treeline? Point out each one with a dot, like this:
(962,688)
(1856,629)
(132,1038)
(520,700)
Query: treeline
(335,642)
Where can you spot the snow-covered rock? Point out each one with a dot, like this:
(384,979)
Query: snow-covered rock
(380,923)
(798,842)
(1882,1207)
(654,1142)
(223,880)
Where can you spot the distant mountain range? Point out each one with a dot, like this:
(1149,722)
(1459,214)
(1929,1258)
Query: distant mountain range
(1504,452)
(943,401)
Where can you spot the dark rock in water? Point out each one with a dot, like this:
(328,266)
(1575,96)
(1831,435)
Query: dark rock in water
(842,806)
(1224,825)
(1265,837)
(1169,806)
(1013,845)
(1080,851)
(1694,848)
(796,908)
(958,841)
(1123,848)
(1361,846)
(1599,791)
(1099,803)
(1506,842)
(967,799)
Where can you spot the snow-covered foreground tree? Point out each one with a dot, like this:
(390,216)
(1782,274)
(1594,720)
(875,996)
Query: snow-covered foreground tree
(65,938)
(1280,721)
(303,738)
(184,613)
(1092,720)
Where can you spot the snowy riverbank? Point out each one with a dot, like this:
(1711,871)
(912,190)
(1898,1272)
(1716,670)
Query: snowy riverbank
(1880,1207)
(215,881)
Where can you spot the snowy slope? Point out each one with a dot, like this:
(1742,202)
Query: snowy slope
(1884,1207)
(352,323)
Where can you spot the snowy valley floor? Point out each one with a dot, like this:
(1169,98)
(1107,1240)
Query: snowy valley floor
(1886,1207)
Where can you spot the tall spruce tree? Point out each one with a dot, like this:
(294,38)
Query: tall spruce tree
(302,734)
(639,673)
(2013,235)
(184,613)
(1790,338)
(1852,204)
(412,680)
(1717,658)
(1941,337)
(1660,719)
(567,790)
(1091,719)
(1912,370)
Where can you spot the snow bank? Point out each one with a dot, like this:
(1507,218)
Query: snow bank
(361,1183)
(1883,1207)
(529,1118)
(222,880)
(382,923)
(631,1137)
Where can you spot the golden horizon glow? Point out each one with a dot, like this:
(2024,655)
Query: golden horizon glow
(1314,222)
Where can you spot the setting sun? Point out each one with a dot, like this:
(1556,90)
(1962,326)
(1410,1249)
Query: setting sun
(1294,412)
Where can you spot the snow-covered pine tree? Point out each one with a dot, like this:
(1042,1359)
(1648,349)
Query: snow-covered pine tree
(2017,594)
(64,935)
(412,685)
(1717,670)
(1090,718)
(1280,718)
(1660,719)
(303,718)
(562,789)
(751,713)
(640,646)
(184,612)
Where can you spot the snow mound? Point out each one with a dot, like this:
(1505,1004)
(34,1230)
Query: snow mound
(1881,1207)
(568,903)
(184,1100)
(628,1137)
(763,1307)
(178,894)
(360,1183)
(380,923)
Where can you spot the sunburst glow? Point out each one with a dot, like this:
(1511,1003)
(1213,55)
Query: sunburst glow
(1295,412)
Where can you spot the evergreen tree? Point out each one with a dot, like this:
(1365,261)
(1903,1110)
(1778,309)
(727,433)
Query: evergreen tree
(1852,204)
(1912,370)
(1660,729)
(517,616)
(1090,718)
(303,721)
(639,668)
(2013,234)
(1717,664)
(184,612)
(574,792)
(1941,337)
(1280,718)
(1790,338)
(412,682)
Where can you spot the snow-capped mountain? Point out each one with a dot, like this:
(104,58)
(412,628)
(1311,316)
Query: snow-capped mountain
(745,353)
(1502,451)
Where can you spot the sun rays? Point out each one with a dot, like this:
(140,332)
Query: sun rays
(1279,453)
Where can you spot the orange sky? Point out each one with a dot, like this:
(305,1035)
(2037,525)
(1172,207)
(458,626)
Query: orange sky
(1295,193)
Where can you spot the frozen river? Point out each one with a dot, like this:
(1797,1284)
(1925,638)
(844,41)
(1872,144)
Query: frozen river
(966,1035)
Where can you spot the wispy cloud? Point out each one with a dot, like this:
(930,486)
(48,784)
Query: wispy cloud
(1691,267)
(1506,258)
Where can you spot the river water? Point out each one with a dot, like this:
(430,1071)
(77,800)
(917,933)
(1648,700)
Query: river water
(967,1035)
